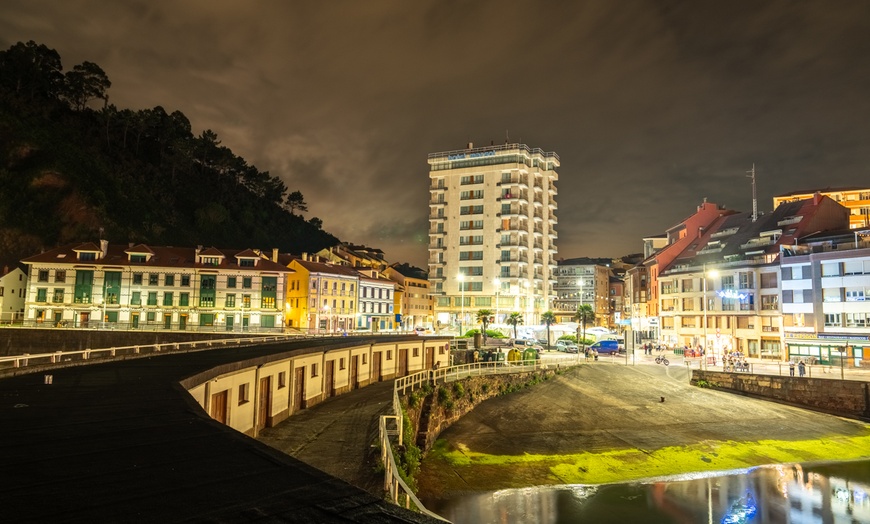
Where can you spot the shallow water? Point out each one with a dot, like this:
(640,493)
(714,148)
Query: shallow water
(788,493)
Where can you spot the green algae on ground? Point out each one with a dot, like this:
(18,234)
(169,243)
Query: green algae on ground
(497,471)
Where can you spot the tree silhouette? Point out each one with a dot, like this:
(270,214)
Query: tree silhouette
(514,319)
(584,314)
(548,318)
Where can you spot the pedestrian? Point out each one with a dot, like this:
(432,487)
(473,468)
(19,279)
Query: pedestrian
(791,368)
(802,368)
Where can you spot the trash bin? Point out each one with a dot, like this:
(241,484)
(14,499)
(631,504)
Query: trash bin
(530,354)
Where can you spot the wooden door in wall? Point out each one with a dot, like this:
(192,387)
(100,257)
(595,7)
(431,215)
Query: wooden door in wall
(354,372)
(403,362)
(298,390)
(376,366)
(430,357)
(264,407)
(329,379)
(218,407)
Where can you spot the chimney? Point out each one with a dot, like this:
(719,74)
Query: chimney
(274,254)
(198,249)
(471,145)
(817,197)
(104,247)
(305,256)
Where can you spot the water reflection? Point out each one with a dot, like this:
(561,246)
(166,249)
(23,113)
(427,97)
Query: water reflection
(790,493)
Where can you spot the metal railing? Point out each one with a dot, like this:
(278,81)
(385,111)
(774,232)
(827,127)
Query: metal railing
(399,491)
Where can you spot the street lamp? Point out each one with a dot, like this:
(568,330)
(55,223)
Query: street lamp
(713,273)
(497,283)
(461,279)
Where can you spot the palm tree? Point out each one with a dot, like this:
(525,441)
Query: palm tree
(513,320)
(548,318)
(584,314)
(484,316)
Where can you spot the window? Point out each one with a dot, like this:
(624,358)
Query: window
(313,370)
(60,275)
(246,262)
(832,294)
(87,257)
(747,280)
(246,282)
(57,297)
(135,298)
(389,354)
(185,280)
(184,299)
(42,276)
(169,280)
(211,261)
(831,269)
(688,322)
(152,279)
(137,258)
(244,391)
(728,304)
(768,280)
(42,294)
(769,302)
(853,267)
(857,319)
(855,294)
(688,304)
(833,320)
(688,285)
(246,301)
(341,363)
(231,300)
(137,279)
(150,316)
(167,298)
(282,380)
(231,282)
(152,298)
(768,324)
(728,282)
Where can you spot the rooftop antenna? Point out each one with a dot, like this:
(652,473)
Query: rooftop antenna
(507,137)
(754,198)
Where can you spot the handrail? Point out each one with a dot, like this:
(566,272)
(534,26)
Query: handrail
(393,483)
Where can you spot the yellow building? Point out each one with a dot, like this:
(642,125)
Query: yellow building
(855,199)
(321,297)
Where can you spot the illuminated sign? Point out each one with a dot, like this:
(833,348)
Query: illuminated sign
(730,293)
(462,156)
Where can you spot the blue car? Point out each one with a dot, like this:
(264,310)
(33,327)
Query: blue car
(605,347)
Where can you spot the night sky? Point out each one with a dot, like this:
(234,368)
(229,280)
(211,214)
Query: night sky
(651,105)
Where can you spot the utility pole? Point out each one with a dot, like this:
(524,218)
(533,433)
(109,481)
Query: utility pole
(754,198)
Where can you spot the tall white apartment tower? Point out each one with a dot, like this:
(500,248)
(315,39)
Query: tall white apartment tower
(492,233)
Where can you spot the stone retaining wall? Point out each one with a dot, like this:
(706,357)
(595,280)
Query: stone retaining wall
(437,416)
(847,398)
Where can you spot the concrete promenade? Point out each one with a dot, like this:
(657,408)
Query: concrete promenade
(123,442)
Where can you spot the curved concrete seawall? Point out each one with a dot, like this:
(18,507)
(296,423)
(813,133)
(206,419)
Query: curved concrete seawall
(122,441)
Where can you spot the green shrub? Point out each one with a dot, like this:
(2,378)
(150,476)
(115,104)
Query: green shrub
(443,395)
(458,390)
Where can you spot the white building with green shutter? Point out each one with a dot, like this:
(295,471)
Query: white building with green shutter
(119,286)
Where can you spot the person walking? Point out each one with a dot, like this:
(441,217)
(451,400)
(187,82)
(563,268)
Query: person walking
(791,368)
(802,368)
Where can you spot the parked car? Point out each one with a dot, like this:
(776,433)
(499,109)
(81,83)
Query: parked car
(567,346)
(525,344)
(604,347)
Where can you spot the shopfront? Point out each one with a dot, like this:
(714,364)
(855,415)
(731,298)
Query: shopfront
(828,349)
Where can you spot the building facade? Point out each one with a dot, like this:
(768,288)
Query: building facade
(416,301)
(855,199)
(582,281)
(826,299)
(115,286)
(13,291)
(376,302)
(321,296)
(492,232)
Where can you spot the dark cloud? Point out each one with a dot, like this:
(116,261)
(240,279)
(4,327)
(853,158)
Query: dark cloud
(651,105)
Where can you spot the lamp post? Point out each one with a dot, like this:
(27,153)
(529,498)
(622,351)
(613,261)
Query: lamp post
(461,279)
(713,274)
(497,283)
